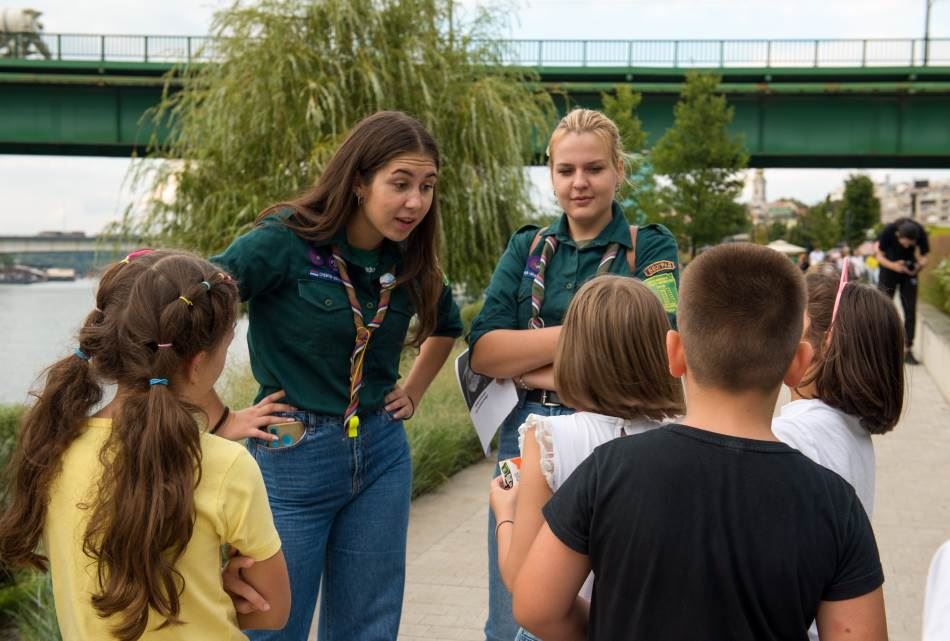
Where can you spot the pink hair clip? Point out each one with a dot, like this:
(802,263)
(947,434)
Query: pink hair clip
(164,345)
(136,254)
(841,284)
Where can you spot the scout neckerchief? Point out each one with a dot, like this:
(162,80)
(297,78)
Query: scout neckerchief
(363,333)
(537,286)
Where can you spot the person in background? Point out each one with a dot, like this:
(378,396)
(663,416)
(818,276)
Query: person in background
(902,250)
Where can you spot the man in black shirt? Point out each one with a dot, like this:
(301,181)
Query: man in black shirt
(902,251)
(711,529)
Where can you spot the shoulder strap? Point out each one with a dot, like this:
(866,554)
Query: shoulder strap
(632,252)
(534,243)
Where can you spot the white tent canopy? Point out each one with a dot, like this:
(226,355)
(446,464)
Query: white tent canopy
(785,247)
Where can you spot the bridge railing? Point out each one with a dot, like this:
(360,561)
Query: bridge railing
(871,52)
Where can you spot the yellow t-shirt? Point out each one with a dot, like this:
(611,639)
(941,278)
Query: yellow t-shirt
(231,507)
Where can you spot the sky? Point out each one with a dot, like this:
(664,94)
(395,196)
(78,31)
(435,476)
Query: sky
(89,192)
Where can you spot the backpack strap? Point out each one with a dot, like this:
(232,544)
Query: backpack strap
(632,252)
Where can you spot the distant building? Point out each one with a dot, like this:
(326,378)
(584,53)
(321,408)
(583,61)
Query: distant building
(761,211)
(926,201)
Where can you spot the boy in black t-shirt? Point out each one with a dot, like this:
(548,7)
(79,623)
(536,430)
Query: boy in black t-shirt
(712,528)
(902,250)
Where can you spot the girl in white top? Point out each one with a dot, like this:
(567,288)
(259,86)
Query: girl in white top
(855,385)
(611,366)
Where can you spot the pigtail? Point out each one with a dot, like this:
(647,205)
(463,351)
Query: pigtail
(46,431)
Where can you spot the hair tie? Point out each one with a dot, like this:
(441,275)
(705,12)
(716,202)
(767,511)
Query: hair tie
(187,302)
(206,284)
(158,381)
(78,353)
(164,345)
(136,254)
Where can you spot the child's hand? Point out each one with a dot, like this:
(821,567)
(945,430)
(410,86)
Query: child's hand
(245,598)
(400,404)
(502,499)
(248,423)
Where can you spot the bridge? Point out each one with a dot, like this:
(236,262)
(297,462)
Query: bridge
(70,250)
(798,103)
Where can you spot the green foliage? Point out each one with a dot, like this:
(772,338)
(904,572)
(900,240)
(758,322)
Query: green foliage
(777,230)
(859,211)
(942,276)
(10,416)
(818,227)
(295,75)
(638,195)
(29,605)
(702,162)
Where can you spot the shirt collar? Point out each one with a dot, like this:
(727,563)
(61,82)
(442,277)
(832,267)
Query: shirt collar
(389,252)
(616,231)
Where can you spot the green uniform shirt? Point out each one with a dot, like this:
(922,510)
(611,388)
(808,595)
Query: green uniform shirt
(301,331)
(508,297)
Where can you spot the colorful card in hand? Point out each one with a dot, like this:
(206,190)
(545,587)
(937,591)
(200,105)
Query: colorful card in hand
(509,471)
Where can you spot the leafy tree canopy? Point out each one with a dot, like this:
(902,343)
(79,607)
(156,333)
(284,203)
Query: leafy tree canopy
(859,211)
(291,77)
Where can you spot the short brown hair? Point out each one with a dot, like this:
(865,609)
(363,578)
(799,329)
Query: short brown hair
(859,367)
(611,354)
(740,316)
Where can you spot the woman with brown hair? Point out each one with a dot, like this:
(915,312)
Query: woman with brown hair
(133,504)
(332,280)
(611,366)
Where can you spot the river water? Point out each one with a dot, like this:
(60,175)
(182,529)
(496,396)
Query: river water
(38,325)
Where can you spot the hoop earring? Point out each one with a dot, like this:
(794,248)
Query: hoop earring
(359,200)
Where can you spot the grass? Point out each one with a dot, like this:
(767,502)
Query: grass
(440,435)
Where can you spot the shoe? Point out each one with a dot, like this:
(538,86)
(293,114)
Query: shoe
(909,358)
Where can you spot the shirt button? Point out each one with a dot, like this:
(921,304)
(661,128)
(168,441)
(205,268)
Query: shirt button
(370,305)
(328,302)
(569,286)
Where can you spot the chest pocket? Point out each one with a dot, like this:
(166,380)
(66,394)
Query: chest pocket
(327,317)
(396,324)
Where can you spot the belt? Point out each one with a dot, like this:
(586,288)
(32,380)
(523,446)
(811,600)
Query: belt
(544,397)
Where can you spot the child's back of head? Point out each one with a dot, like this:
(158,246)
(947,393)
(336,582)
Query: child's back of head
(858,365)
(611,353)
(740,317)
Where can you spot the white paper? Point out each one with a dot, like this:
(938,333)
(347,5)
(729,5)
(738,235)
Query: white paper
(489,401)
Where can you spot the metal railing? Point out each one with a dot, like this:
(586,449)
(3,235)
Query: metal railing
(875,52)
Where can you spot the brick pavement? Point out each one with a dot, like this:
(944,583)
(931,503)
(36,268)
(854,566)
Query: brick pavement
(446,584)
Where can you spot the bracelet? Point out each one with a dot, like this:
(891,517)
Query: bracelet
(500,523)
(224,417)
(413,412)
(519,379)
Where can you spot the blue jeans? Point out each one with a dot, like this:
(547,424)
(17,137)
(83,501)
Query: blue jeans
(341,506)
(501,625)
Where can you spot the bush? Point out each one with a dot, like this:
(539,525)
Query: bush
(942,279)
(934,287)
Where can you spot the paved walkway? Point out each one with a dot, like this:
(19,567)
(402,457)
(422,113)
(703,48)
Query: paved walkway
(446,593)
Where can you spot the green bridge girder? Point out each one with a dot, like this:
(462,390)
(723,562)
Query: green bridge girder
(789,117)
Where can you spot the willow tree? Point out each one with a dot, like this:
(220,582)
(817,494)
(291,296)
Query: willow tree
(288,80)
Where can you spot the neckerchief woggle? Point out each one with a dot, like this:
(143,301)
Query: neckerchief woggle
(363,333)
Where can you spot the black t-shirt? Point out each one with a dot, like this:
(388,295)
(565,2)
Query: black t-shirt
(892,248)
(693,535)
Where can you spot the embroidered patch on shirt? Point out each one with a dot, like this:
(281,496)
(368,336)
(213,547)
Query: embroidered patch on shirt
(659,266)
(325,275)
(531,267)
(664,286)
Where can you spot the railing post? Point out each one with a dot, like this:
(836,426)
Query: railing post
(676,53)
(629,53)
(102,47)
(722,54)
(584,55)
(768,53)
(913,51)
(540,52)
(188,49)
(816,53)
(146,48)
(864,53)
(59,46)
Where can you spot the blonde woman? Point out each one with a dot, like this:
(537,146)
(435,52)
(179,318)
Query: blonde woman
(515,334)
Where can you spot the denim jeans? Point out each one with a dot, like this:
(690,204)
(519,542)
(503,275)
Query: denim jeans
(341,506)
(501,625)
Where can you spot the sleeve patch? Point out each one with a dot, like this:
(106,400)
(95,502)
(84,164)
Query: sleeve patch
(659,266)
(664,286)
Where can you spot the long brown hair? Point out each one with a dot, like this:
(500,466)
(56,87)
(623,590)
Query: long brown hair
(143,514)
(858,365)
(611,353)
(320,213)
